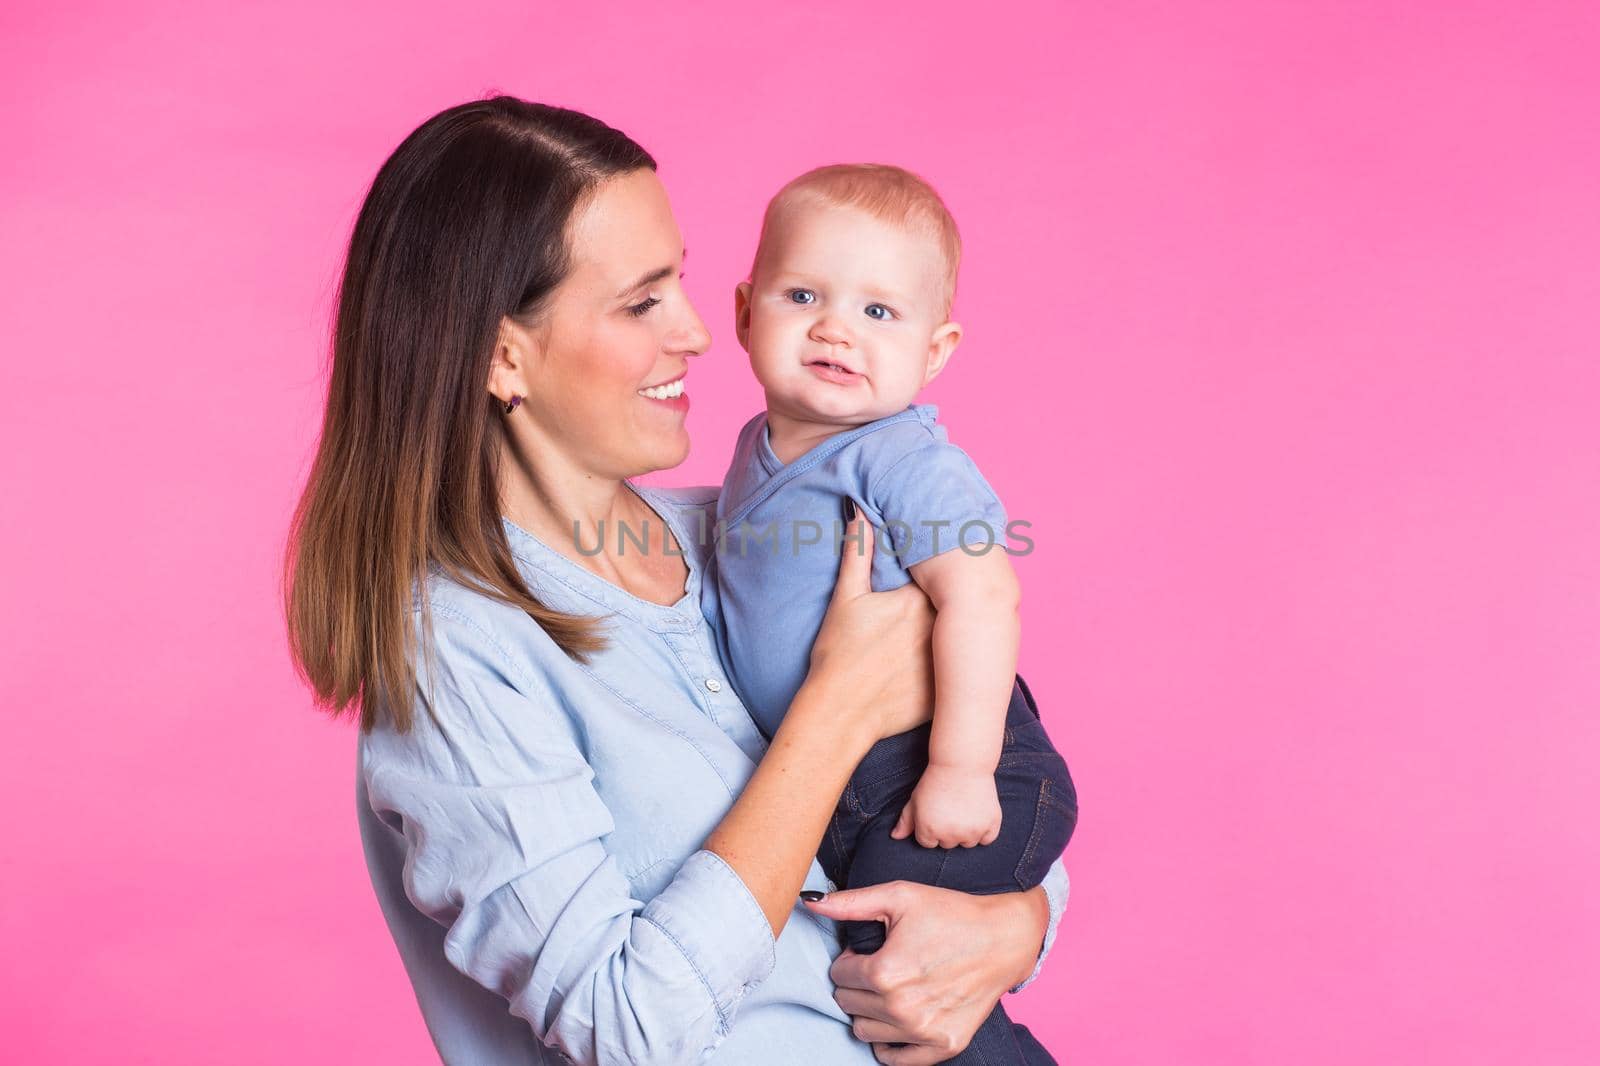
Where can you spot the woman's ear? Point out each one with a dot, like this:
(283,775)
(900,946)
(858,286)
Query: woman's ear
(941,348)
(741,313)
(513,367)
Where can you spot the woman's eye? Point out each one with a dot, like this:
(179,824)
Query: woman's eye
(879,312)
(802,296)
(639,309)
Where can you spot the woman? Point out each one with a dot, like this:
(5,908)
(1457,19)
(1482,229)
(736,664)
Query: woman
(564,805)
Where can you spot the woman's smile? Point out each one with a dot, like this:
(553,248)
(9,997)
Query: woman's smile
(668,394)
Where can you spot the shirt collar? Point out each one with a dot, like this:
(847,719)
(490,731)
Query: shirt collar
(561,583)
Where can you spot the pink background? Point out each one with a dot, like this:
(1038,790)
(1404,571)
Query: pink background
(1282,330)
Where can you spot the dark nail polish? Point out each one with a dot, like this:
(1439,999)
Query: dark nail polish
(812,896)
(849,509)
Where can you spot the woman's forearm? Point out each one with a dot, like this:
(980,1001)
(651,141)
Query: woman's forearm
(1030,925)
(773,831)
(860,687)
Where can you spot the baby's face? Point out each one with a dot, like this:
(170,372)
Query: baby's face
(844,317)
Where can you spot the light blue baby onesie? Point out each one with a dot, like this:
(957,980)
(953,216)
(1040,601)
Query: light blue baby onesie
(779,528)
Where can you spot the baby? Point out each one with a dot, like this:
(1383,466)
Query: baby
(846,316)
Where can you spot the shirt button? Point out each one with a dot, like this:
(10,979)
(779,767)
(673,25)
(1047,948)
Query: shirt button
(713,684)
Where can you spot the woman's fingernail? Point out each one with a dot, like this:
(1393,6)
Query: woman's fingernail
(811,895)
(849,509)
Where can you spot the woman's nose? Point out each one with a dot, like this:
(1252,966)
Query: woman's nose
(691,336)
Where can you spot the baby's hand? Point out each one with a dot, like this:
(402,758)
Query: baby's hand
(951,807)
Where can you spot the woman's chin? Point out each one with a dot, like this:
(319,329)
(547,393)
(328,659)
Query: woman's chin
(666,452)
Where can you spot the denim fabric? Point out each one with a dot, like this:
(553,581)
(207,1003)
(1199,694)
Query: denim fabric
(1039,810)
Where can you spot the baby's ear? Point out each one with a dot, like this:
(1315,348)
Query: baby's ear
(741,313)
(941,348)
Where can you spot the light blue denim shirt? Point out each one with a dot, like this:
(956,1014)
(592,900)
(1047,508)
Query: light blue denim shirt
(534,841)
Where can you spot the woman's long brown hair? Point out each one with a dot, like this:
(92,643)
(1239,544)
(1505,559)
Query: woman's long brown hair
(465,224)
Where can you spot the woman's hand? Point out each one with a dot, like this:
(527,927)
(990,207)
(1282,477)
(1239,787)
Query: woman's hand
(949,958)
(874,652)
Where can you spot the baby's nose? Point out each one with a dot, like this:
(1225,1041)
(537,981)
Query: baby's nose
(830,330)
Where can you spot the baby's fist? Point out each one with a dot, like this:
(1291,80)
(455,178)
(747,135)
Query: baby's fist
(951,807)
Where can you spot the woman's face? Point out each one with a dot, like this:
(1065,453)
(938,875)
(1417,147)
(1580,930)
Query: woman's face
(606,380)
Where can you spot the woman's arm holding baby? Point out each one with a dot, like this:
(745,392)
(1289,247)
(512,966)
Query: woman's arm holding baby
(976,632)
(855,693)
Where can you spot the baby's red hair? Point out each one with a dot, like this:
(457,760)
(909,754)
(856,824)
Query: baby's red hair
(889,193)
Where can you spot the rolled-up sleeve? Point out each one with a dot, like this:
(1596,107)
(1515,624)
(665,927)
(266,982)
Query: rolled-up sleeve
(503,833)
(1056,887)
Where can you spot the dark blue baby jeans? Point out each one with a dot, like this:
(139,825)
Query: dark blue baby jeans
(1038,810)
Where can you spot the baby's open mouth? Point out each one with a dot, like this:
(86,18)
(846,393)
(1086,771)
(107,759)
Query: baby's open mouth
(835,367)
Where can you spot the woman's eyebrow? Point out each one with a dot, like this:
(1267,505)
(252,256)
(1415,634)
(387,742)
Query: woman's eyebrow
(652,277)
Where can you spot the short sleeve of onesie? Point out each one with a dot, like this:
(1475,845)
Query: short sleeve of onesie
(933,499)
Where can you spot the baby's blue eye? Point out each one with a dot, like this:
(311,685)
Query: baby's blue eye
(879,312)
(802,296)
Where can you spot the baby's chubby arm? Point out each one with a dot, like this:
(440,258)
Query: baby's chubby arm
(976,633)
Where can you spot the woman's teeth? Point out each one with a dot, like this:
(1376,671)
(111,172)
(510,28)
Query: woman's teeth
(670,390)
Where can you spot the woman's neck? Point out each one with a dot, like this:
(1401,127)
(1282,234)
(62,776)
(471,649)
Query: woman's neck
(595,521)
